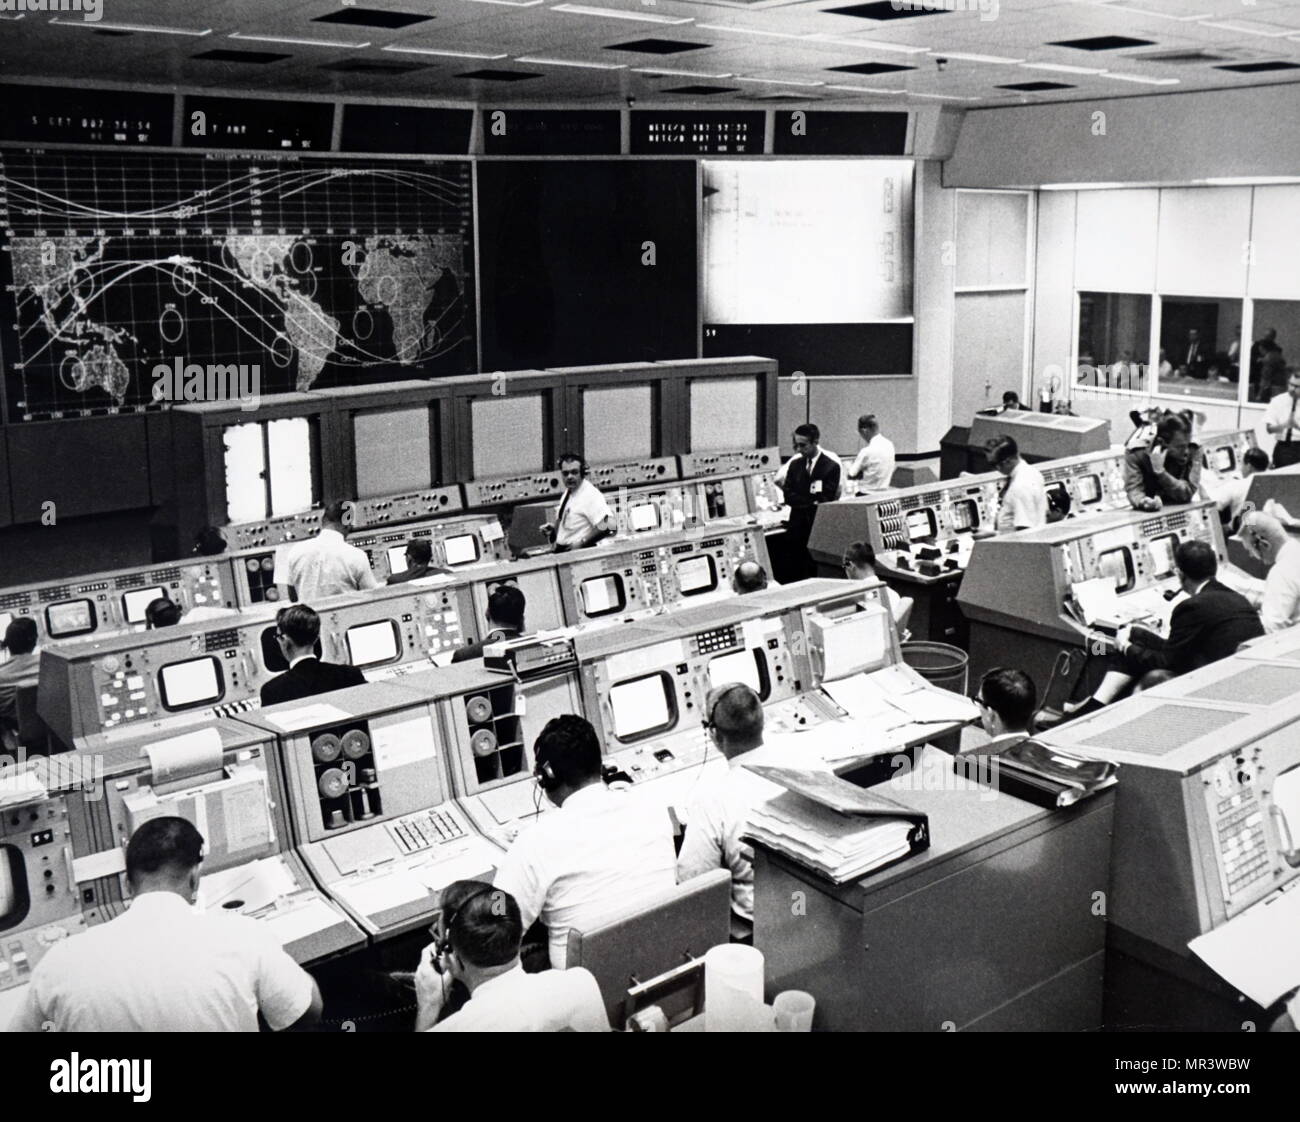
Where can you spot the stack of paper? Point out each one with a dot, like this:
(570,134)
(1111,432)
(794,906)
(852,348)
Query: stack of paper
(838,847)
(19,786)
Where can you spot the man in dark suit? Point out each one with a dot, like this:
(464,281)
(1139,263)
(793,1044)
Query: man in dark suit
(811,477)
(1196,354)
(297,629)
(1209,625)
(505,617)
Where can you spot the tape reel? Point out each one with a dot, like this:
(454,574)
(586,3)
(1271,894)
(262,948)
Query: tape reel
(333,783)
(326,748)
(355,744)
(483,742)
(478,709)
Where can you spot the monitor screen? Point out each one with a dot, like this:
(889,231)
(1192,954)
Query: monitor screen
(643,706)
(369,644)
(1057,495)
(965,515)
(696,575)
(394,451)
(1162,555)
(1089,488)
(748,667)
(461,550)
(289,461)
(14,899)
(603,595)
(618,423)
(643,517)
(1117,565)
(396,558)
(72,617)
(245,473)
(197,681)
(134,603)
(508,435)
(921,524)
(1223,460)
(6,618)
(724,414)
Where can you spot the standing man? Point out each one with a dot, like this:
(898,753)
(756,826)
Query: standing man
(1196,356)
(1281,422)
(325,565)
(874,466)
(584,516)
(1259,350)
(1023,504)
(162,966)
(811,477)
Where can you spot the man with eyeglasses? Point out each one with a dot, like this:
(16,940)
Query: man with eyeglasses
(1007,700)
(297,629)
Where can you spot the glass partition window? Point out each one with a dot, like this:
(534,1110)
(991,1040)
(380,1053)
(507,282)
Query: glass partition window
(1274,347)
(1114,341)
(1200,346)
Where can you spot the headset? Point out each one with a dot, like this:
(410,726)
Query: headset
(709,723)
(449,918)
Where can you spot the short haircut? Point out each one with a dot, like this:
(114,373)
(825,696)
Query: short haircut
(1196,560)
(167,844)
(859,554)
(810,432)
(162,613)
(486,927)
(1256,458)
(419,550)
(21,636)
(1011,694)
(735,711)
(1000,449)
(1009,397)
(750,577)
(570,746)
(868,421)
(209,542)
(1171,426)
(334,512)
(506,604)
(571,458)
(300,624)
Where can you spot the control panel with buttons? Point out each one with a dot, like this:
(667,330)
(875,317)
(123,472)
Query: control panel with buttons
(454,543)
(389,510)
(512,489)
(697,465)
(631,473)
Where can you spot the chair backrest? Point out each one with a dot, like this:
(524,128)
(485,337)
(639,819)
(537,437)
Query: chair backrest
(660,934)
(32,733)
(526,523)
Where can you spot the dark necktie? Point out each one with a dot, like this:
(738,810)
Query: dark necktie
(1289,432)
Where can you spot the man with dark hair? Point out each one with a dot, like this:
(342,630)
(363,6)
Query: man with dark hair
(1023,502)
(860,564)
(21,669)
(597,856)
(1007,700)
(162,966)
(874,466)
(749,576)
(583,517)
(1229,495)
(1209,625)
(722,801)
(1168,472)
(809,478)
(209,542)
(419,557)
(325,565)
(297,629)
(476,943)
(161,612)
(1282,422)
(505,620)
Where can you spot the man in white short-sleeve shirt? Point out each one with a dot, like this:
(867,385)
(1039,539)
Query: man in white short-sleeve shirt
(1267,540)
(1023,505)
(325,565)
(874,466)
(163,967)
(583,517)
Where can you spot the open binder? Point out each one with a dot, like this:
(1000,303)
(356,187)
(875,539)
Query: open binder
(1043,775)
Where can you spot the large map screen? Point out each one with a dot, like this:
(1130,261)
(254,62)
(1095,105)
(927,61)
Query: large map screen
(318,272)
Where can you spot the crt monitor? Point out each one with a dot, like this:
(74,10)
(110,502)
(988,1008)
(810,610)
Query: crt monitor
(1116,565)
(602,595)
(371,644)
(696,575)
(72,617)
(134,603)
(396,558)
(1223,460)
(748,667)
(965,516)
(921,524)
(195,681)
(643,706)
(272,657)
(1089,488)
(643,517)
(461,549)
(14,899)
(1058,495)
(508,434)
(6,618)
(1162,555)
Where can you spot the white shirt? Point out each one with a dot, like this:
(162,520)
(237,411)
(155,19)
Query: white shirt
(584,510)
(1228,494)
(163,967)
(324,566)
(551,1001)
(718,814)
(1279,412)
(592,859)
(1024,503)
(874,467)
(1281,604)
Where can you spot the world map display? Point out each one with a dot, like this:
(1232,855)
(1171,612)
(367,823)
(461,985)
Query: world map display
(316,271)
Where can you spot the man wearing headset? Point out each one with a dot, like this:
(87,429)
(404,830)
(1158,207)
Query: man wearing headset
(596,857)
(584,516)
(476,943)
(720,806)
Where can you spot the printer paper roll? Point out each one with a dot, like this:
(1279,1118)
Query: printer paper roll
(182,757)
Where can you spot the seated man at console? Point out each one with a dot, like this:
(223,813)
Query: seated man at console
(21,670)
(1209,625)
(163,967)
(584,517)
(296,634)
(860,564)
(749,576)
(1229,495)
(161,612)
(505,620)
(419,560)
(721,803)
(1267,540)
(597,856)
(1007,699)
(1167,472)
(478,946)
